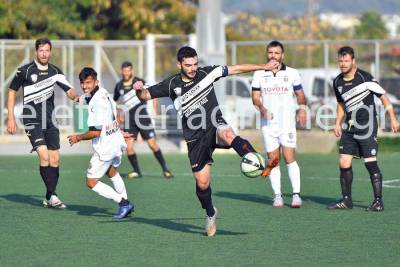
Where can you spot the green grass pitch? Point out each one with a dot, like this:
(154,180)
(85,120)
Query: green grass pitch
(167,227)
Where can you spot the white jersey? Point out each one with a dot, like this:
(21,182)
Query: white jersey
(102,114)
(277,95)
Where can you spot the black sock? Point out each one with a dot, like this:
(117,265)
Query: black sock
(134,162)
(46,177)
(55,174)
(242,146)
(346,179)
(376,178)
(159,156)
(205,199)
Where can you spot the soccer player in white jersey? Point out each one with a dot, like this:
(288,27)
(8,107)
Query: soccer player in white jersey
(273,94)
(107,140)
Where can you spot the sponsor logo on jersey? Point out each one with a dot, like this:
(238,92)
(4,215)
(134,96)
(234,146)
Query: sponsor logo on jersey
(43,73)
(188,84)
(285,78)
(178,91)
(34,77)
(277,90)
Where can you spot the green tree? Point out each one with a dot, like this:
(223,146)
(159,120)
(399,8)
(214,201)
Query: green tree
(371,26)
(97,19)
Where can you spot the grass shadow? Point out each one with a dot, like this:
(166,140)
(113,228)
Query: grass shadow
(36,201)
(245,197)
(175,224)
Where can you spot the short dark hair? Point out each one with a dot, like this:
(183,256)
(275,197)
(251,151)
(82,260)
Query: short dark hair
(126,64)
(42,41)
(87,72)
(275,43)
(185,52)
(346,50)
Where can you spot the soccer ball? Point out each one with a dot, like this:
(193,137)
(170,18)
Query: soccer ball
(252,164)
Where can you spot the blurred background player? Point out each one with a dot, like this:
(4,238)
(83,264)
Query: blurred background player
(133,114)
(37,80)
(107,141)
(355,90)
(272,94)
(204,128)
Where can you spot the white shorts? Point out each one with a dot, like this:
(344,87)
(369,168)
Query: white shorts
(273,139)
(98,168)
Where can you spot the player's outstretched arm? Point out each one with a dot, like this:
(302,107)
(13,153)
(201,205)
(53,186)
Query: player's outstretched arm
(339,118)
(141,92)
(75,138)
(11,124)
(73,95)
(242,68)
(393,119)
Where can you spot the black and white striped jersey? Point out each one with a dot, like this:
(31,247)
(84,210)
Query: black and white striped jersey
(358,96)
(126,95)
(38,86)
(195,101)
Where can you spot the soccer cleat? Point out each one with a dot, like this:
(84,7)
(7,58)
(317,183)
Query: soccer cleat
(133,175)
(377,205)
(278,201)
(54,202)
(269,165)
(168,174)
(344,203)
(211,223)
(124,211)
(296,201)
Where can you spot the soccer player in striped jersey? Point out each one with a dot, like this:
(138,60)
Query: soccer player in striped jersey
(204,128)
(136,120)
(38,80)
(355,91)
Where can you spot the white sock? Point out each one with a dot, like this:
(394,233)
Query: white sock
(107,191)
(294,176)
(275,178)
(119,185)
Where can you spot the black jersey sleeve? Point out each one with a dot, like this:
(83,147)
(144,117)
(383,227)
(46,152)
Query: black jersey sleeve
(116,95)
(161,89)
(217,71)
(374,86)
(339,97)
(18,79)
(61,80)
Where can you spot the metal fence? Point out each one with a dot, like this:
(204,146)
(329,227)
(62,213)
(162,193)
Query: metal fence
(154,59)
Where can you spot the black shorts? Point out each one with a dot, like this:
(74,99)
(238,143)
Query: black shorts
(352,144)
(140,124)
(50,136)
(200,150)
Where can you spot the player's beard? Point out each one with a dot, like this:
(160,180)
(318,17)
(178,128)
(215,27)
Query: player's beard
(347,70)
(43,62)
(186,75)
(128,79)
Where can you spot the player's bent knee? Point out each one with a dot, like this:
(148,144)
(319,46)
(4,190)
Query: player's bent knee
(90,182)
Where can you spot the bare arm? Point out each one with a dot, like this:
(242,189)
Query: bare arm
(11,125)
(393,120)
(339,118)
(75,138)
(256,97)
(73,95)
(301,101)
(242,68)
